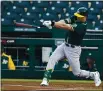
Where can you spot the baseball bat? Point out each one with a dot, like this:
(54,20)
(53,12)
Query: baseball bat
(27,25)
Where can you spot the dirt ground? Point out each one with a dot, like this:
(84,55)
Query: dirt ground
(54,86)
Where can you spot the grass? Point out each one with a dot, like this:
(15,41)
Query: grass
(36,80)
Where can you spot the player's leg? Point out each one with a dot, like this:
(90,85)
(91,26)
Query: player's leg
(73,55)
(57,55)
(75,64)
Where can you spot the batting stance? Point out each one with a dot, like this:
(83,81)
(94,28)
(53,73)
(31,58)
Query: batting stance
(71,49)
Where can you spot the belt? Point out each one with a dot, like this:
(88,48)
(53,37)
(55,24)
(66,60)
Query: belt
(70,45)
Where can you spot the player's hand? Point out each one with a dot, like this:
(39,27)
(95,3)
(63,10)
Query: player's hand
(48,24)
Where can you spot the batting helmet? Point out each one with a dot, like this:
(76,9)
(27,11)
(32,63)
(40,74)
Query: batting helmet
(81,12)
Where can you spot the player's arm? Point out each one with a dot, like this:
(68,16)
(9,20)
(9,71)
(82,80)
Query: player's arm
(69,20)
(66,23)
(62,25)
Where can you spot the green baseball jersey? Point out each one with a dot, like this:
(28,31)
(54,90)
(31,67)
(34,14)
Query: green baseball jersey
(75,37)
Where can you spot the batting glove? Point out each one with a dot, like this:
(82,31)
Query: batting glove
(48,24)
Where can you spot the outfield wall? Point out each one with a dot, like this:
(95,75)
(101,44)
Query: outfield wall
(92,45)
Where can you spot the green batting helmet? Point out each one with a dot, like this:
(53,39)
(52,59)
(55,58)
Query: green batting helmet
(81,12)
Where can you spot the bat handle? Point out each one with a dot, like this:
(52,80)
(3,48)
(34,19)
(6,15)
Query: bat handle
(41,26)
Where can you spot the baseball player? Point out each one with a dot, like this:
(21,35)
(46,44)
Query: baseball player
(71,49)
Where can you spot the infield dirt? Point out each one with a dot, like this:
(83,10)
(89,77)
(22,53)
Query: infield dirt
(54,86)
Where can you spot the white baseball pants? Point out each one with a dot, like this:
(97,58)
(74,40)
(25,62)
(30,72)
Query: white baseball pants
(73,55)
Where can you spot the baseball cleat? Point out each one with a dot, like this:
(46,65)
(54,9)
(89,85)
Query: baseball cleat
(44,82)
(97,78)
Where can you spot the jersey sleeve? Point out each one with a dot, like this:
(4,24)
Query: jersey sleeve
(79,28)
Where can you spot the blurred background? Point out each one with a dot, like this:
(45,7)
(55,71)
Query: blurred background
(26,50)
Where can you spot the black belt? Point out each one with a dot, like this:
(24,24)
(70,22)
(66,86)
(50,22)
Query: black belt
(70,45)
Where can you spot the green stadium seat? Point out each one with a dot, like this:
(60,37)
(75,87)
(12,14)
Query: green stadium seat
(94,11)
(90,25)
(32,11)
(60,4)
(49,16)
(71,10)
(26,21)
(91,17)
(5,21)
(64,15)
(78,4)
(55,10)
(35,10)
(41,4)
(22,3)
(30,16)
(99,24)
(16,9)
(6,3)
(97,4)
(10,15)
(38,22)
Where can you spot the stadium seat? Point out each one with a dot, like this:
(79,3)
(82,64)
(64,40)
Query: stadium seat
(30,16)
(22,3)
(32,11)
(6,3)
(91,17)
(35,10)
(78,4)
(91,25)
(38,22)
(71,10)
(40,4)
(10,15)
(67,15)
(60,4)
(99,24)
(94,11)
(5,6)
(97,4)
(5,21)
(49,16)
(16,9)
(55,10)
(26,21)
(64,15)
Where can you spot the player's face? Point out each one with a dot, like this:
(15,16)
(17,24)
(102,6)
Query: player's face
(82,19)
